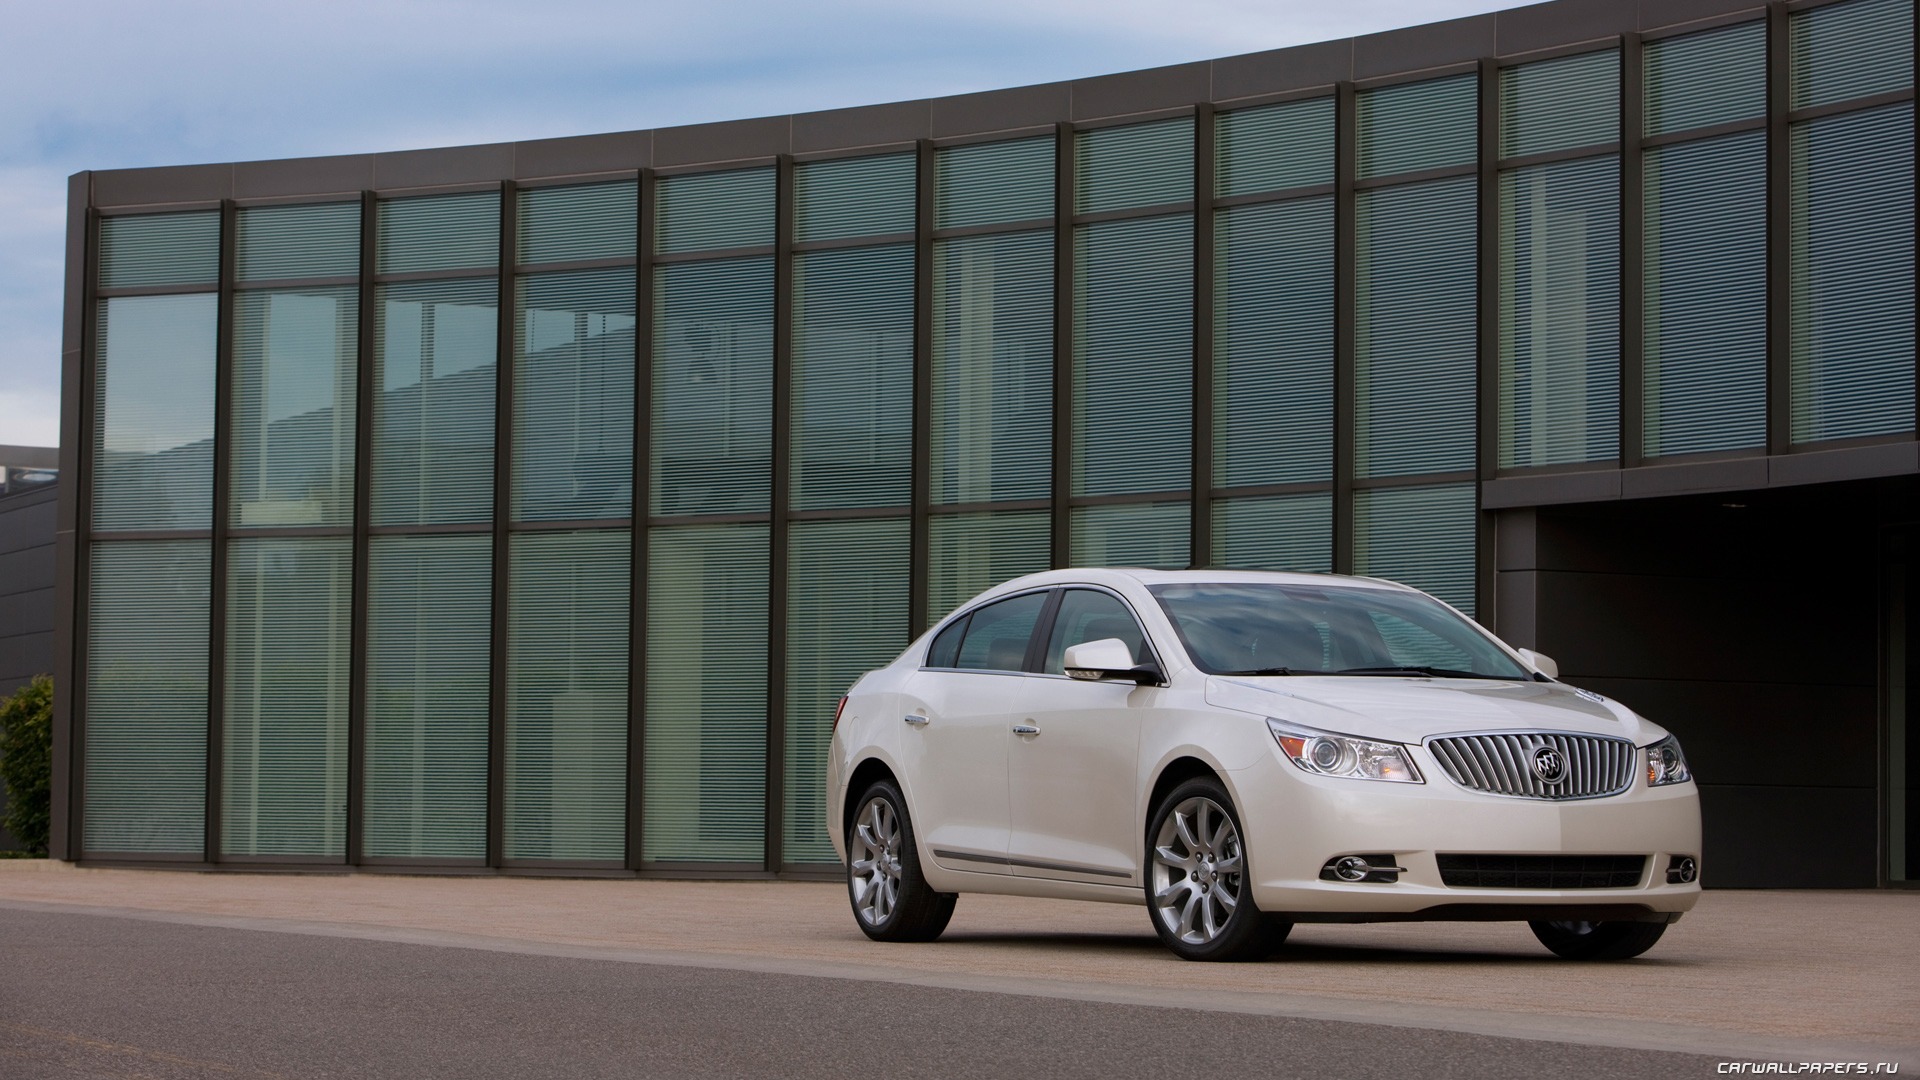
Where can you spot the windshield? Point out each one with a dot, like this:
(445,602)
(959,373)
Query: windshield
(1274,629)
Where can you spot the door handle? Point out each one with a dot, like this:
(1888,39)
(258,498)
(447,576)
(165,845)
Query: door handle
(915,720)
(1025,729)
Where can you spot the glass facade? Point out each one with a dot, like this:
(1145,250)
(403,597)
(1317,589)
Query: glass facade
(543,524)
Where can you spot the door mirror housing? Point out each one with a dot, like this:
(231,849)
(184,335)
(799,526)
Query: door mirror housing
(1107,658)
(1541,662)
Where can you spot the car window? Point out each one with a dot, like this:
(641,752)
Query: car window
(945,650)
(1088,615)
(997,635)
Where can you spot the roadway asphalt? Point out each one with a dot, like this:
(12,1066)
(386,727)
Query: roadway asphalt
(107,972)
(91,997)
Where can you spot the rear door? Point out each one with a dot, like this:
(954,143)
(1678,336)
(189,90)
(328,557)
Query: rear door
(954,743)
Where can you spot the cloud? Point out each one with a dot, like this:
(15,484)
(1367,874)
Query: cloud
(29,418)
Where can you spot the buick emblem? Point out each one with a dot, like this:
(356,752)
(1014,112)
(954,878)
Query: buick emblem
(1549,764)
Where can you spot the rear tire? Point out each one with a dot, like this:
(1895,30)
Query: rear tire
(1597,940)
(1198,891)
(891,898)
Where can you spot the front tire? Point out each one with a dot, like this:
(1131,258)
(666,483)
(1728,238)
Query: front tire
(1597,940)
(891,898)
(1198,890)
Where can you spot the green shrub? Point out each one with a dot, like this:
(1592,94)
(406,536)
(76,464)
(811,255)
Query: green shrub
(26,763)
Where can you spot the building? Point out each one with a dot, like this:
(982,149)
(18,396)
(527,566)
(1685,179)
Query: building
(27,512)
(529,506)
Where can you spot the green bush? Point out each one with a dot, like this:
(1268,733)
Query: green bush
(26,763)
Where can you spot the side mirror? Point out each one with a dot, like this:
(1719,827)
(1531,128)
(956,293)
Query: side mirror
(1107,658)
(1541,662)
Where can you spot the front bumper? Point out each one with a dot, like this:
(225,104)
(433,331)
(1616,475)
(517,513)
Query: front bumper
(1294,823)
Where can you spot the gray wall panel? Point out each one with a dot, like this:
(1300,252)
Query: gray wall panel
(1792,838)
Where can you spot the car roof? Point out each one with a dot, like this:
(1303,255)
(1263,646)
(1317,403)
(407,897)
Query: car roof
(1125,575)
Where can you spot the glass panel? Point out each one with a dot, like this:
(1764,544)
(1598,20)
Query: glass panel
(573,396)
(1133,356)
(1702,79)
(1705,380)
(1850,50)
(1280,532)
(160,249)
(146,729)
(1088,615)
(852,377)
(153,412)
(566,771)
(275,243)
(1151,534)
(434,348)
(1419,125)
(440,232)
(866,196)
(713,211)
(970,553)
(590,221)
(1418,536)
(994,183)
(294,402)
(1416,321)
(285,731)
(992,368)
(1851,238)
(712,387)
(1273,343)
(1560,313)
(846,615)
(998,634)
(1119,168)
(1559,104)
(429,623)
(706,720)
(1274,147)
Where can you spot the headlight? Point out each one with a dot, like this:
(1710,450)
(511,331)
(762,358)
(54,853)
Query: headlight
(1327,754)
(1666,764)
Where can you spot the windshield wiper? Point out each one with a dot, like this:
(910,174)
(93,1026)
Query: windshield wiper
(1270,671)
(1436,672)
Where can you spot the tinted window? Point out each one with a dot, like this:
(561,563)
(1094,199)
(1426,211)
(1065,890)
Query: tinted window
(997,634)
(1086,615)
(945,650)
(1308,629)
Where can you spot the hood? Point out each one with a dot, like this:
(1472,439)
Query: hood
(1409,709)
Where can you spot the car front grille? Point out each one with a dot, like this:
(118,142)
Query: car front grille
(1542,871)
(1509,763)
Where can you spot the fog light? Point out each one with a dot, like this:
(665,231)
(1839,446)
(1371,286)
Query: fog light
(1682,870)
(1355,869)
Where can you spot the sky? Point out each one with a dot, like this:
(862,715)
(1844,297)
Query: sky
(111,84)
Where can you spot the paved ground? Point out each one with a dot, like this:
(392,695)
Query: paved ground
(1788,975)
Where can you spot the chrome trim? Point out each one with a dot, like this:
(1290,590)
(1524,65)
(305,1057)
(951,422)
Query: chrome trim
(915,719)
(1504,763)
(1029,864)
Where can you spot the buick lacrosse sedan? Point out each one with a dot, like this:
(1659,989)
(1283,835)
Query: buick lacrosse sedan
(1244,751)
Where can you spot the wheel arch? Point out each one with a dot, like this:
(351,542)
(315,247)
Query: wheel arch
(864,774)
(1182,768)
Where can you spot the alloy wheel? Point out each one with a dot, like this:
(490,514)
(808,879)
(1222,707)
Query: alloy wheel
(1197,871)
(873,851)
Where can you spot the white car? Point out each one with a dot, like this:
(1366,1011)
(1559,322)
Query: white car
(1243,751)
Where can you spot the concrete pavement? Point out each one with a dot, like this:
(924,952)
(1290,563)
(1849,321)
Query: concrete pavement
(1809,976)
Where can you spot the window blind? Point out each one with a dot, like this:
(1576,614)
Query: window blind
(582,221)
(434,348)
(846,614)
(1133,534)
(852,419)
(1274,147)
(1410,127)
(1698,80)
(439,232)
(1560,104)
(159,249)
(1278,532)
(294,406)
(1418,536)
(1138,165)
(993,183)
(429,615)
(284,763)
(706,694)
(712,386)
(1273,343)
(992,368)
(1850,50)
(969,553)
(153,402)
(1133,356)
(715,211)
(278,243)
(573,396)
(566,754)
(848,197)
(146,725)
